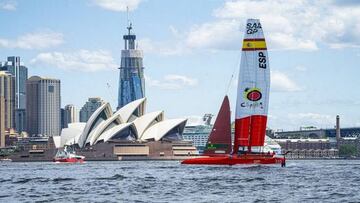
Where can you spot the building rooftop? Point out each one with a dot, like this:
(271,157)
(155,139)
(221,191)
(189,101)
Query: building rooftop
(301,140)
(38,78)
(4,73)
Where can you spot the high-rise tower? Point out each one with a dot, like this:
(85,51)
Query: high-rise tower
(14,66)
(7,104)
(90,107)
(43,106)
(131,80)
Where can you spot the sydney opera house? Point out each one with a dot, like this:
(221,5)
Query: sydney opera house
(128,133)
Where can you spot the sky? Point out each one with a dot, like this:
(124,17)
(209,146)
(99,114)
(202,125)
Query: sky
(192,53)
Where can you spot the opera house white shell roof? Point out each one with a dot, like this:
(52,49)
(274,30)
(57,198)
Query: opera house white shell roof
(129,123)
(161,129)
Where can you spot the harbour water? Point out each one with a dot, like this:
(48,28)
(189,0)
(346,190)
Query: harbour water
(168,181)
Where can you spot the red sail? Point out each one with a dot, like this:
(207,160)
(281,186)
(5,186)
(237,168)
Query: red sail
(219,141)
(250,131)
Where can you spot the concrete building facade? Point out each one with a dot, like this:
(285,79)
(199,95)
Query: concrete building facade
(43,106)
(70,114)
(20,120)
(7,93)
(308,148)
(90,107)
(2,122)
(7,105)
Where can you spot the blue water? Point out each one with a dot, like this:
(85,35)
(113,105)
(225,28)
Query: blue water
(168,181)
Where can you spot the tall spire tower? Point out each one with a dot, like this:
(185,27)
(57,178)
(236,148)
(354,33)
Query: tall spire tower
(131,80)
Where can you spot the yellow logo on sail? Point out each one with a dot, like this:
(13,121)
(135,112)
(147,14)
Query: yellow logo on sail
(252,94)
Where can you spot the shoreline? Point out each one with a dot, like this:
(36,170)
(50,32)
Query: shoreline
(156,159)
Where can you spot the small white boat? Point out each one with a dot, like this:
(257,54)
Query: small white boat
(6,160)
(68,156)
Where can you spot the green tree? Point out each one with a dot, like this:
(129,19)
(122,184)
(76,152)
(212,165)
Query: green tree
(348,150)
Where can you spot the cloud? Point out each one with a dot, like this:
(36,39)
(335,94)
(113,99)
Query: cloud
(35,40)
(347,2)
(280,82)
(81,60)
(215,35)
(167,48)
(161,48)
(315,116)
(288,25)
(8,5)
(172,82)
(311,119)
(301,68)
(117,5)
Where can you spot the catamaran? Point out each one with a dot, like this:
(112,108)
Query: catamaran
(251,110)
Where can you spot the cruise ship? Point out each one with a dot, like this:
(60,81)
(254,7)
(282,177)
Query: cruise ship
(198,131)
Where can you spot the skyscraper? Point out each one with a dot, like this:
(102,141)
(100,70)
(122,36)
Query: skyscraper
(131,80)
(2,121)
(63,123)
(90,107)
(20,73)
(7,104)
(70,115)
(43,106)
(20,120)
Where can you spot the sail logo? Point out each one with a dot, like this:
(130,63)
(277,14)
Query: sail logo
(252,28)
(262,60)
(252,105)
(252,94)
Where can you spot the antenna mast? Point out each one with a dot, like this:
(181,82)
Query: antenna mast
(128,21)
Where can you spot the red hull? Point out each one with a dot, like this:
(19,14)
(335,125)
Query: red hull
(233,160)
(69,160)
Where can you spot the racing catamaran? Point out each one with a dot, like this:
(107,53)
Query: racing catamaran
(251,107)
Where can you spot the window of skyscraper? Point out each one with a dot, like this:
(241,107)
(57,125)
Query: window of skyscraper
(51,88)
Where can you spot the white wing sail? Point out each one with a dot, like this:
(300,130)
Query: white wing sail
(253,88)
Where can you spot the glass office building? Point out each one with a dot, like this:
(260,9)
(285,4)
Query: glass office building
(20,73)
(131,80)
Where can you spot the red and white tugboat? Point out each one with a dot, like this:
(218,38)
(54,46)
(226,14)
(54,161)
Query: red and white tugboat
(68,156)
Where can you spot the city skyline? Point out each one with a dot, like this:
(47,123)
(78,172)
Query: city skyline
(191,54)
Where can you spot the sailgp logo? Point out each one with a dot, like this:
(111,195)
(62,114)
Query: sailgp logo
(252,94)
(252,28)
